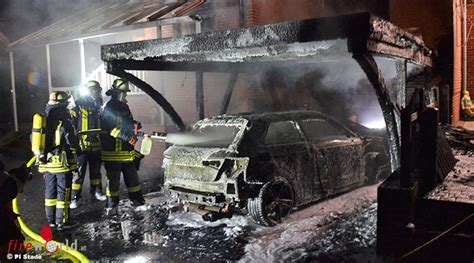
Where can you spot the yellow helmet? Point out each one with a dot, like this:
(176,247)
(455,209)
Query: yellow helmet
(120,85)
(58,97)
(93,85)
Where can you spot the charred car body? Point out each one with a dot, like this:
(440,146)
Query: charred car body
(267,164)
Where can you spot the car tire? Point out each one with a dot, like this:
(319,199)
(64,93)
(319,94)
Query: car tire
(274,202)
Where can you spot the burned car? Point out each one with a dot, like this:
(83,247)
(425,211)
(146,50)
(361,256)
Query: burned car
(267,164)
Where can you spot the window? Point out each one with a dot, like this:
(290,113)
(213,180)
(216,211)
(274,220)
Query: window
(208,136)
(317,130)
(282,132)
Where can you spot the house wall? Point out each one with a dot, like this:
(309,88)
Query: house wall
(457,60)
(251,90)
(434,22)
(267,12)
(470,51)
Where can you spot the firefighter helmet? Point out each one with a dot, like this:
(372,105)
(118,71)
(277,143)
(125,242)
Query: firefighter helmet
(93,85)
(119,89)
(58,97)
(121,85)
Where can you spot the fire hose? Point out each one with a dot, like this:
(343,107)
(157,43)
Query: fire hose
(74,255)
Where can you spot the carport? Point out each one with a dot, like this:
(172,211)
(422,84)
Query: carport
(356,38)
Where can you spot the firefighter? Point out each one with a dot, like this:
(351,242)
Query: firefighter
(466,105)
(58,161)
(87,122)
(11,183)
(118,140)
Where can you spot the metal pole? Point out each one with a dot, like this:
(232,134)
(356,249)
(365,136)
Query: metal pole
(242,13)
(12,75)
(228,92)
(197,26)
(464,46)
(83,61)
(200,95)
(48,64)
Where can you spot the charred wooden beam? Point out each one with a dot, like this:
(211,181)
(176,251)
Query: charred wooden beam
(199,95)
(369,66)
(150,64)
(315,39)
(154,94)
(401,67)
(228,92)
(429,131)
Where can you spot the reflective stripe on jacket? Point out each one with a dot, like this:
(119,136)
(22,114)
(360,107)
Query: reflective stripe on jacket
(88,118)
(117,124)
(60,140)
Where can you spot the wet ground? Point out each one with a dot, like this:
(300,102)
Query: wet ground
(341,229)
(154,232)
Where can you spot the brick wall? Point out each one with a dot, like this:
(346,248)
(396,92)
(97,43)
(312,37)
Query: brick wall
(470,52)
(227,14)
(167,31)
(457,60)
(267,12)
(434,22)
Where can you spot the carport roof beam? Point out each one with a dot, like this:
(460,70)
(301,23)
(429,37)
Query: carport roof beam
(318,40)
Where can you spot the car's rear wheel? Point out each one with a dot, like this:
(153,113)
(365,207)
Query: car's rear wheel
(274,202)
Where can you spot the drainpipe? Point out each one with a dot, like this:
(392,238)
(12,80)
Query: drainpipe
(242,13)
(12,75)
(464,46)
(83,60)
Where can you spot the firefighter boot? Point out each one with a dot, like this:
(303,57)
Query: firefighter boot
(96,192)
(136,198)
(75,199)
(111,206)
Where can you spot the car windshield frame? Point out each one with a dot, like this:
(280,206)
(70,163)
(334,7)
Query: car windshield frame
(240,124)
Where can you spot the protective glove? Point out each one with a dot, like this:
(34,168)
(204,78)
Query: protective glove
(42,159)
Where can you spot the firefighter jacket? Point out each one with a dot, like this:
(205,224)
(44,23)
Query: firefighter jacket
(117,126)
(86,117)
(61,141)
(9,188)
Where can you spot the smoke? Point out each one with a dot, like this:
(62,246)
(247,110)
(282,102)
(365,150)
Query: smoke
(339,89)
(21,17)
(210,135)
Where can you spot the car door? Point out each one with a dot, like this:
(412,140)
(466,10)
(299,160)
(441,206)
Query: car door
(291,157)
(337,155)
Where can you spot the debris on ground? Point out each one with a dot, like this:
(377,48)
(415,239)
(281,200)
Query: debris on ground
(459,184)
(459,136)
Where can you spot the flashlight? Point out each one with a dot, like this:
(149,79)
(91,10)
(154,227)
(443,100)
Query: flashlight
(84,91)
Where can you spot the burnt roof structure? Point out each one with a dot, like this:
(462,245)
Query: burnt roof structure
(356,36)
(318,40)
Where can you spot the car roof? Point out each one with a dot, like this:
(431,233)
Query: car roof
(276,116)
(267,117)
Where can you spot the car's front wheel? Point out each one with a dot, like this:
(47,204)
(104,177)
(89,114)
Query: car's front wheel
(274,202)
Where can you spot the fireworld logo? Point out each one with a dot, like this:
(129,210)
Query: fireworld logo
(17,249)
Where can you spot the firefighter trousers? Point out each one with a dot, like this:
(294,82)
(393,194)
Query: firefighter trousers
(130,177)
(93,159)
(57,196)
